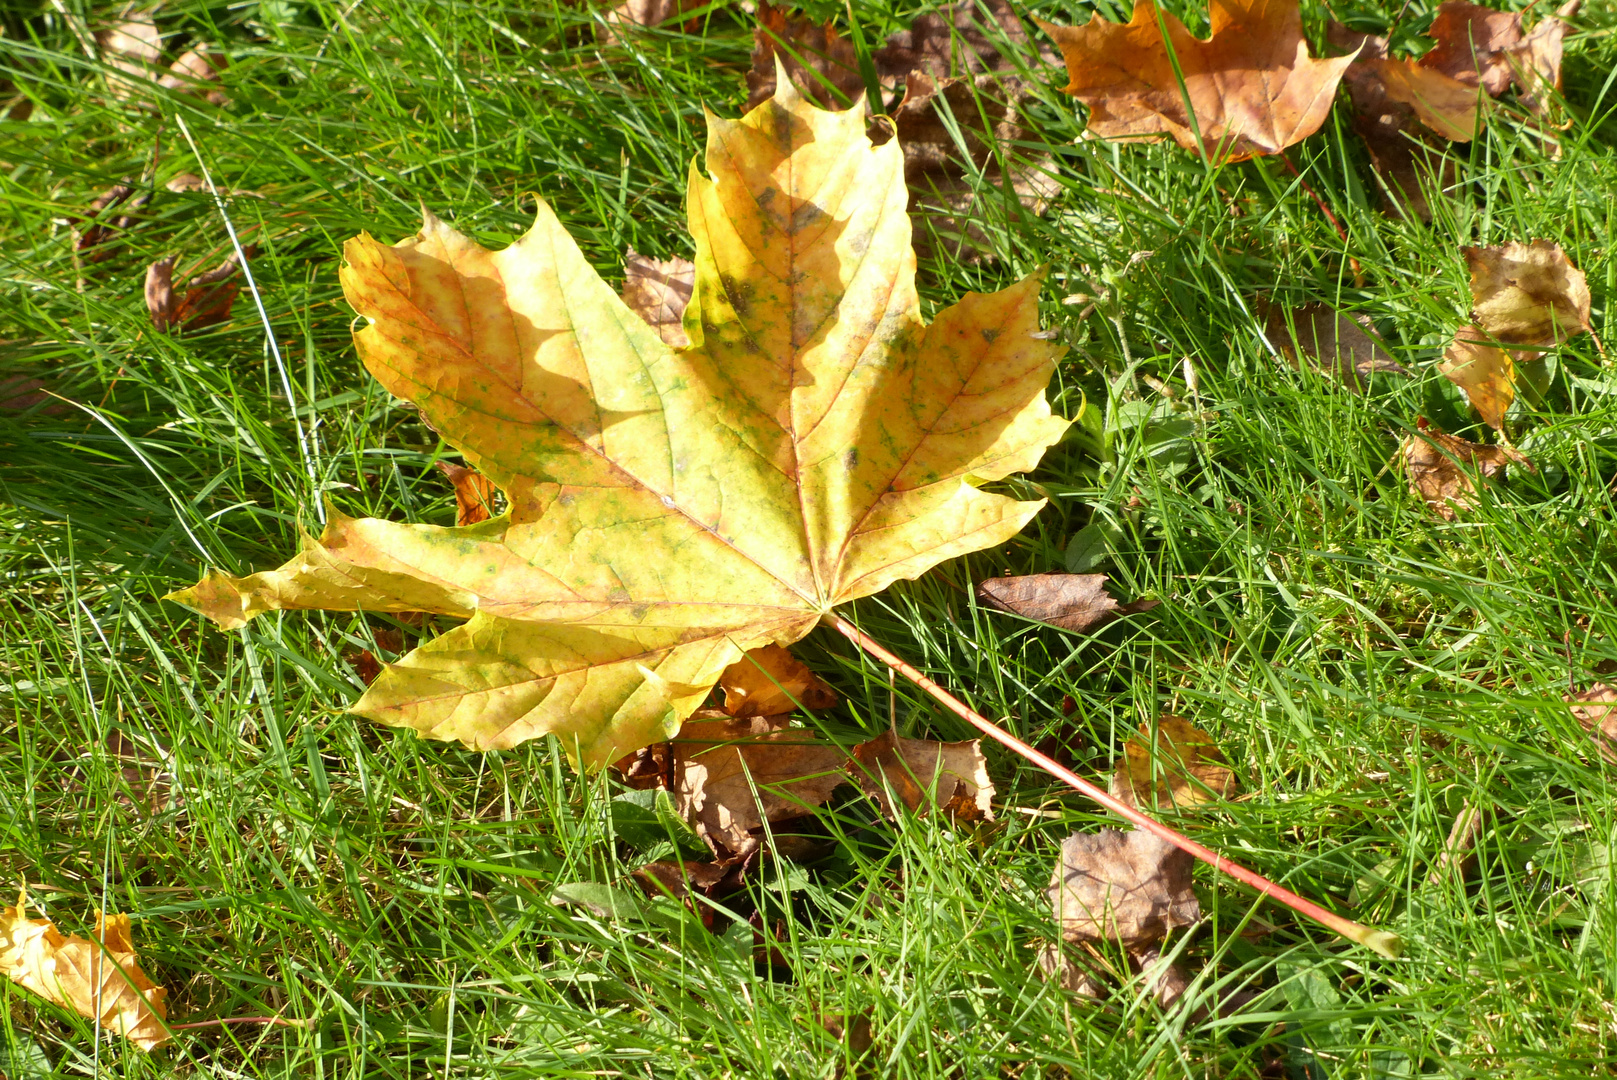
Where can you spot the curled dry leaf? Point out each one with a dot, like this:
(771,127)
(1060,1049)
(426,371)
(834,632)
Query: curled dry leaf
(1527,294)
(1441,467)
(1340,345)
(1076,602)
(1252,87)
(75,973)
(1596,709)
(1171,763)
(670,509)
(658,291)
(1484,371)
(771,682)
(207,299)
(1129,887)
(475,494)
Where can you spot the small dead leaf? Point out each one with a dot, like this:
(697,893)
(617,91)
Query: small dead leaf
(1596,709)
(193,72)
(646,13)
(923,774)
(1159,977)
(183,182)
(1340,345)
(1176,764)
(854,1032)
(714,880)
(75,973)
(1527,294)
(207,301)
(474,493)
(1129,887)
(1484,371)
(820,62)
(771,682)
(658,291)
(133,47)
(1440,467)
(1252,87)
(25,394)
(1076,602)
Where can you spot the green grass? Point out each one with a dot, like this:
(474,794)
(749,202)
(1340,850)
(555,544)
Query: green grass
(1371,670)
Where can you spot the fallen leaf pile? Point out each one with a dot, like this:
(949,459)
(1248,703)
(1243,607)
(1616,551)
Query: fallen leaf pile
(100,980)
(955,100)
(671,508)
(1250,89)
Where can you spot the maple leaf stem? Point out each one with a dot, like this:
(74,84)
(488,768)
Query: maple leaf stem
(1385,943)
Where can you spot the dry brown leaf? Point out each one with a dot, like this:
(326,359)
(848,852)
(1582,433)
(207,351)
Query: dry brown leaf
(647,13)
(1059,964)
(1483,47)
(820,62)
(1484,371)
(1129,887)
(1527,294)
(1596,709)
(718,764)
(1252,87)
(206,302)
(1440,467)
(75,973)
(923,774)
(1076,602)
(133,47)
(1336,344)
(771,682)
(658,290)
(193,71)
(474,493)
(1177,764)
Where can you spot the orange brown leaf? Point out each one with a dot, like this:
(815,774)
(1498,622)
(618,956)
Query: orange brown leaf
(1251,87)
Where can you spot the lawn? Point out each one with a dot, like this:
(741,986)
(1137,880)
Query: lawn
(1372,671)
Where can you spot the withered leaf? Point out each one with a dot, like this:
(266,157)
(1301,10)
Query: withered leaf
(1483,47)
(1252,87)
(1129,887)
(770,682)
(474,493)
(75,973)
(719,764)
(1173,763)
(658,291)
(1440,467)
(923,774)
(96,240)
(207,299)
(1333,343)
(1527,294)
(670,509)
(1596,709)
(1484,371)
(714,880)
(1076,602)
(820,62)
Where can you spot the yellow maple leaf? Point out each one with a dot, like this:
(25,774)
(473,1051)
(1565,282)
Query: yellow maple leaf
(670,507)
(76,973)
